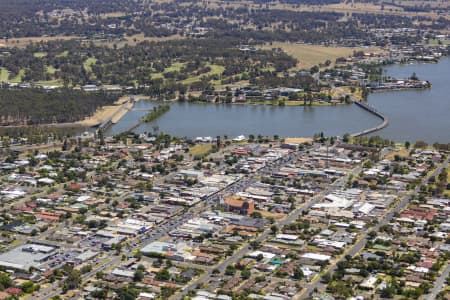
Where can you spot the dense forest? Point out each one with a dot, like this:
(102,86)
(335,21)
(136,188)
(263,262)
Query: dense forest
(36,106)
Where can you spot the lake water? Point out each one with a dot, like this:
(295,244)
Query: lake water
(413,115)
(191,120)
(417,114)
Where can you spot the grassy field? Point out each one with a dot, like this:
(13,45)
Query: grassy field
(40,54)
(200,149)
(63,54)
(175,67)
(4,75)
(157,76)
(311,55)
(87,65)
(18,78)
(215,70)
(50,70)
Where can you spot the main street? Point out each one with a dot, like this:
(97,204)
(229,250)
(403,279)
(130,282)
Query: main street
(245,249)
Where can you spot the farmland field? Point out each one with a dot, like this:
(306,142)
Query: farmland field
(311,55)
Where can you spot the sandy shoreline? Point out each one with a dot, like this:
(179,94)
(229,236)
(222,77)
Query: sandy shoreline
(114,112)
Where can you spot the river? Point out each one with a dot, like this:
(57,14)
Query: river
(413,115)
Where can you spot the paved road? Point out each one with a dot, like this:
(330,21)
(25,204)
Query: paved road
(438,284)
(359,245)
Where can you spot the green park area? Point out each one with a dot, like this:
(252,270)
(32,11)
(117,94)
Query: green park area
(88,63)
(4,75)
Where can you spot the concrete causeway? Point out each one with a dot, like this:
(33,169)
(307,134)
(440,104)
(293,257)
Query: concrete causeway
(375,112)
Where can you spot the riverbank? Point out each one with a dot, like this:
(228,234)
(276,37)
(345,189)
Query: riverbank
(400,89)
(276,103)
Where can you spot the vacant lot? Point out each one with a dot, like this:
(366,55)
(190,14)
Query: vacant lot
(298,140)
(200,149)
(401,153)
(311,55)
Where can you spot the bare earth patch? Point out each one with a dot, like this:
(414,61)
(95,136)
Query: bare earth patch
(298,140)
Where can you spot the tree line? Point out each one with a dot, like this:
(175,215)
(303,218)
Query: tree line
(37,106)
